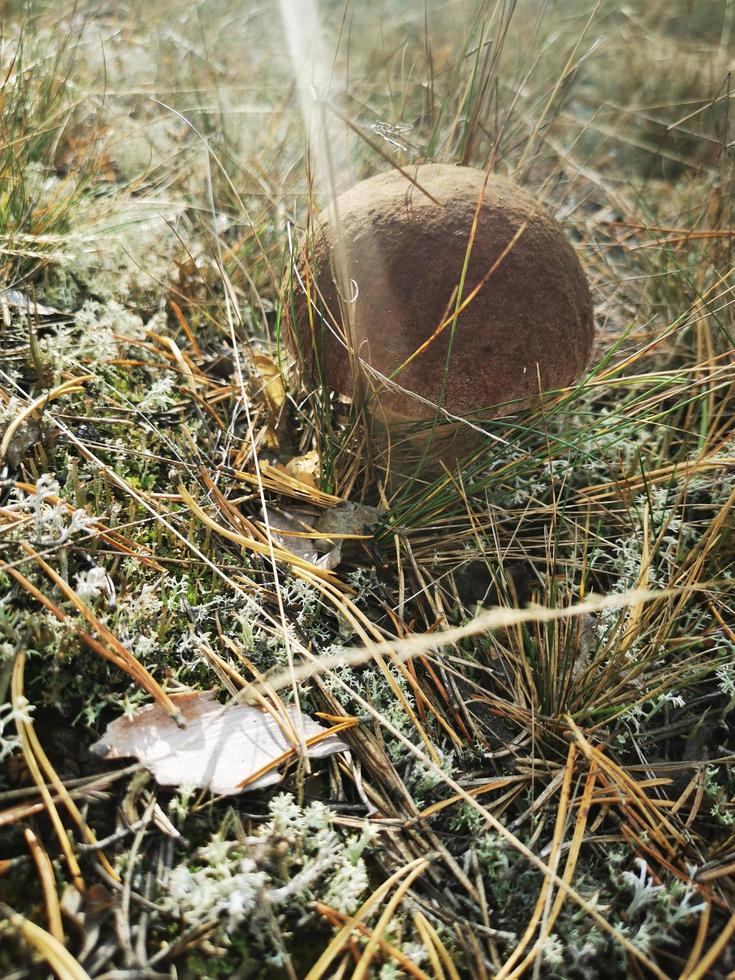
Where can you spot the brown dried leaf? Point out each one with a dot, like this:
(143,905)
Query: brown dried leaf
(270,375)
(310,549)
(348,517)
(221,747)
(305,468)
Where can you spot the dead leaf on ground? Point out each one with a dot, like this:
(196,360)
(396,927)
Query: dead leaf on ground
(348,518)
(270,375)
(15,299)
(221,747)
(305,468)
(308,548)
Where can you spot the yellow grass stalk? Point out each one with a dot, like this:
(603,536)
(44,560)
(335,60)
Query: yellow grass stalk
(48,884)
(56,955)
(551,916)
(129,663)
(432,940)
(554,856)
(335,917)
(361,970)
(66,388)
(260,548)
(702,970)
(335,947)
(23,727)
(696,950)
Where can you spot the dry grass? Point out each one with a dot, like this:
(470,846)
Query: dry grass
(534,648)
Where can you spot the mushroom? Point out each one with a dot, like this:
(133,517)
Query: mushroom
(455,289)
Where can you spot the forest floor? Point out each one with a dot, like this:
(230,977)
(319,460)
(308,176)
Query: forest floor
(529,655)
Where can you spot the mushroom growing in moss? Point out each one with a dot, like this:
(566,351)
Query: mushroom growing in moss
(463,293)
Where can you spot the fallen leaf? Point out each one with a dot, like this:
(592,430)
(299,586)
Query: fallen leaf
(305,547)
(14,298)
(270,375)
(348,518)
(221,746)
(282,520)
(305,468)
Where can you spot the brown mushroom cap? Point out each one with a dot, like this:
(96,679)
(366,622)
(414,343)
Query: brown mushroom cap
(530,321)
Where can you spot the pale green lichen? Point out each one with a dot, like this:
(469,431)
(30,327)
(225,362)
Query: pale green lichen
(239,882)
